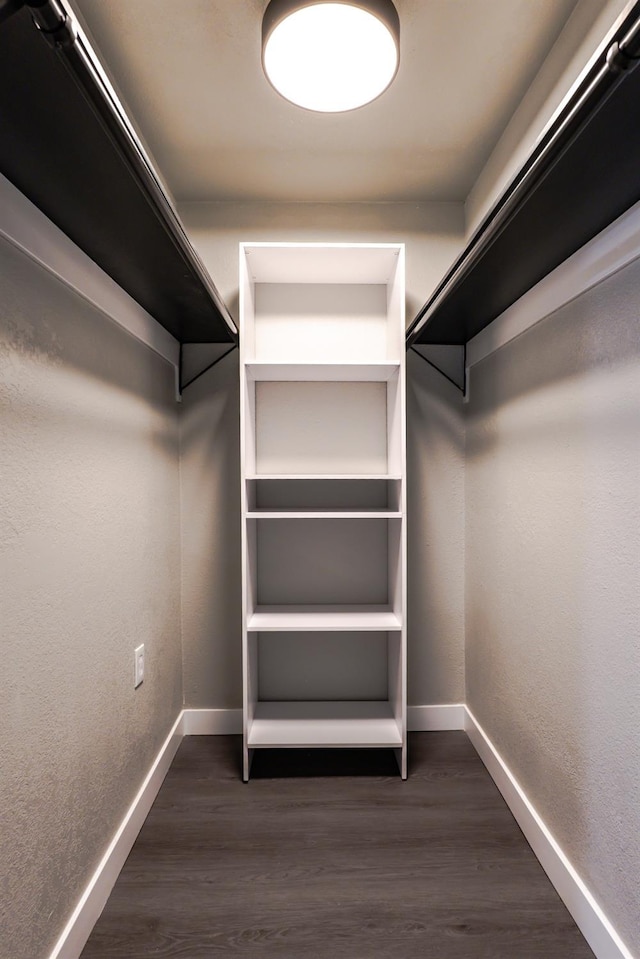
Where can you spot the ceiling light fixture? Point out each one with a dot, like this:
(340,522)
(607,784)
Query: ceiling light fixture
(330,56)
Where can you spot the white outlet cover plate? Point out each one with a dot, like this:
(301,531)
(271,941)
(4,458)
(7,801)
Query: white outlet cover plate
(138,665)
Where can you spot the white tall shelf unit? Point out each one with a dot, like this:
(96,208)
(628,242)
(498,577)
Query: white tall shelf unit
(322,414)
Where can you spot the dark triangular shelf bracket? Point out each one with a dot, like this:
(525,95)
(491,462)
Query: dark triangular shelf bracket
(449,361)
(196,359)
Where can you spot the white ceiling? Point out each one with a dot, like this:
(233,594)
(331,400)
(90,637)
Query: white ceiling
(190,74)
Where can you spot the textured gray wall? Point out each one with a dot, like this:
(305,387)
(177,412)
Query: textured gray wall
(89,557)
(211,572)
(553,578)
(435,513)
(210,453)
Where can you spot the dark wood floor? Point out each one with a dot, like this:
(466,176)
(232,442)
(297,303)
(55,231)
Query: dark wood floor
(331,856)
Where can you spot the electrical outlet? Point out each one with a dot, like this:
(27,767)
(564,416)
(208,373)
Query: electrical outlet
(138,668)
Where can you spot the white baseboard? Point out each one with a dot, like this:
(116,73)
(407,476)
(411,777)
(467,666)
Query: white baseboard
(94,898)
(589,917)
(217,722)
(211,722)
(434,718)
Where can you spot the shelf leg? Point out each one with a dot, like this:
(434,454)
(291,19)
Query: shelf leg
(247,759)
(401,759)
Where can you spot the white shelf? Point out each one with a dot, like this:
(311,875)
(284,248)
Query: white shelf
(281,619)
(323,514)
(285,262)
(324,724)
(251,477)
(328,372)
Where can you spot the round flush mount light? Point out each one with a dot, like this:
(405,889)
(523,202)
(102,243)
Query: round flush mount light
(330,56)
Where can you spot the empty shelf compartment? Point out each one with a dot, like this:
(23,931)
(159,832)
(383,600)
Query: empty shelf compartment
(314,493)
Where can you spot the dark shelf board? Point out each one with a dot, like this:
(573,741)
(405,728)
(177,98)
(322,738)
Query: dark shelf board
(61,154)
(590,178)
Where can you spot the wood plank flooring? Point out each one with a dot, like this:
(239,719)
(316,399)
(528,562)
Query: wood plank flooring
(331,856)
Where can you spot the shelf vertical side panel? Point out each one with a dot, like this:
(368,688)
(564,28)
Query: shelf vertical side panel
(250,591)
(395,424)
(247,297)
(395,568)
(253,678)
(396,407)
(248,549)
(395,691)
(248,427)
(396,309)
